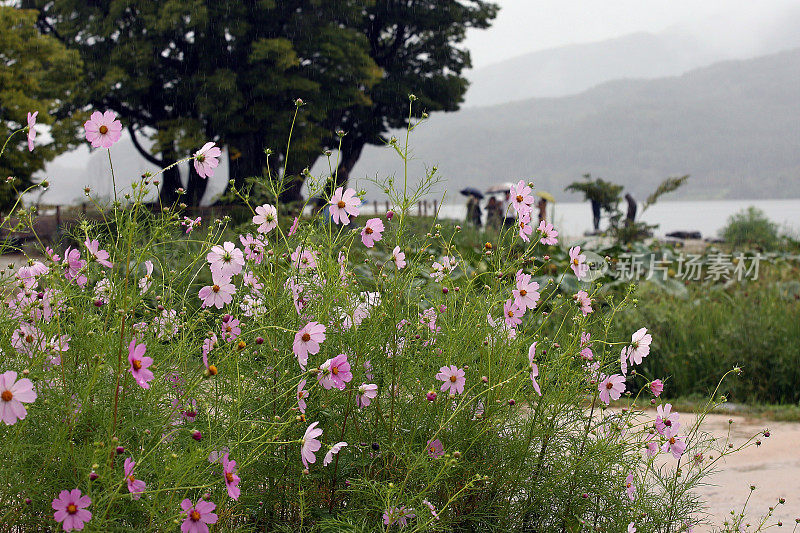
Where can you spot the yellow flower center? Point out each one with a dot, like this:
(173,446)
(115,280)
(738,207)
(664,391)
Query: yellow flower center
(523,292)
(453,379)
(212,370)
(6,396)
(335,370)
(609,385)
(103,129)
(136,364)
(215,288)
(306,337)
(194,515)
(229,477)
(341,204)
(72,508)
(368,231)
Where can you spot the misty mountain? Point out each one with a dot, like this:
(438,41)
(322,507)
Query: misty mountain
(573,69)
(734,126)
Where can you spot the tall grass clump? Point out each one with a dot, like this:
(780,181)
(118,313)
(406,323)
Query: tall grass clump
(326,374)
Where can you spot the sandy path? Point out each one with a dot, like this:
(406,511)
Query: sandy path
(774,468)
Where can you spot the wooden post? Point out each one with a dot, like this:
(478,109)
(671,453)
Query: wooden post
(58,218)
(387,206)
(435,202)
(419,209)
(375,203)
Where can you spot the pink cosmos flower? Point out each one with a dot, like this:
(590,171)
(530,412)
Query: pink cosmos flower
(335,449)
(13,394)
(666,419)
(640,346)
(103,129)
(101,256)
(534,368)
(293,229)
(366,393)
(577,262)
(190,223)
(139,364)
(548,232)
(198,516)
(209,344)
(584,302)
(372,232)
(226,260)
(309,444)
(28,274)
(135,486)
(399,258)
(70,509)
(652,446)
(231,479)
(230,328)
(31,129)
(435,449)
(397,515)
(674,444)
(343,205)
(656,387)
(28,339)
(453,379)
(254,247)
(630,488)
(147,280)
(303,258)
(521,198)
(440,270)
(526,295)
(525,227)
(302,394)
(266,218)
(335,372)
(623,361)
(611,388)
(631,528)
(512,314)
(73,266)
(219,294)
(432,508)
(206,160)
(307,341)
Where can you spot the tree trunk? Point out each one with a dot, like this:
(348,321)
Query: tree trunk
(170,182)
(195,188)
(246,158)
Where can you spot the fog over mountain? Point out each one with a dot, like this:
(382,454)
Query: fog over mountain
(734,126)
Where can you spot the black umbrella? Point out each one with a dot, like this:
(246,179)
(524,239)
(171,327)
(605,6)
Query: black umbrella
(472,191)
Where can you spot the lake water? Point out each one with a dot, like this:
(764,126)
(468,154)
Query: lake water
(707,217)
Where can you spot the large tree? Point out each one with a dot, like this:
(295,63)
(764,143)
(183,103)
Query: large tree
(195,70)
(418,45)
(37,74)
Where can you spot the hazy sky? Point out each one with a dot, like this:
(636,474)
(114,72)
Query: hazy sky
(528,25)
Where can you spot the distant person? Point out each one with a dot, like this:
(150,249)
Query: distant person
(474,211)
(494,213)
(509,215)
(596,215)
(542,205)
(631,214)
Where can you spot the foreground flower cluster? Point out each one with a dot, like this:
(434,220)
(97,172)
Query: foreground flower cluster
(180,373)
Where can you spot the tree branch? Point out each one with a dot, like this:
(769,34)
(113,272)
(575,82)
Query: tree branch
(147,155)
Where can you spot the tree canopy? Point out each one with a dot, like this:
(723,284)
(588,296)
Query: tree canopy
(187,71)
(38,74)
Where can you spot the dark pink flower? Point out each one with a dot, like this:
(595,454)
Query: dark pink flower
(335,372)
(206,160)
(435,448)
(657,387)
(302,394)
(577,262)
(139,364)
(584,302)
(307,341)
(372,232)
(70,507)
(231,479)
(198,516)
(453,379)
(103,129)
(666,419)
(101,256)
(135,486)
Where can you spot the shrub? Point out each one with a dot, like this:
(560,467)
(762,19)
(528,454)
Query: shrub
(326,375)
(751,227)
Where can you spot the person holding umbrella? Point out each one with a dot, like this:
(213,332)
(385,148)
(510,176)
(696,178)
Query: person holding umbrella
(474,214)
